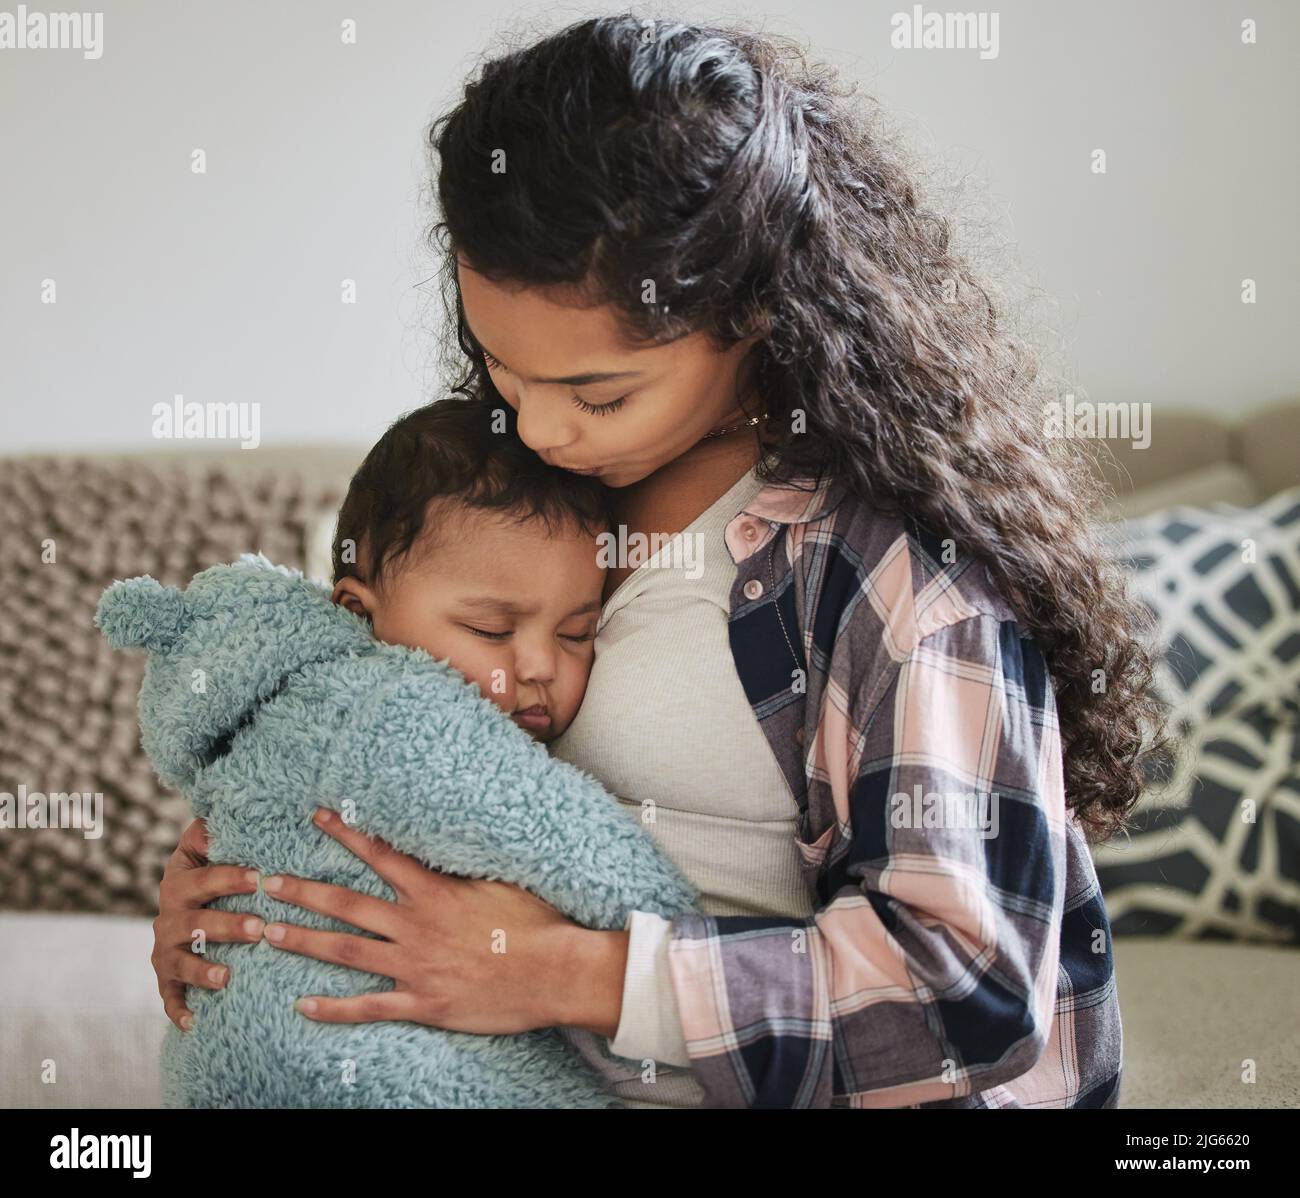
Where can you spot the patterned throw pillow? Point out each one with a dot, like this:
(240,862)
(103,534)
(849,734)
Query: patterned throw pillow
(1215,850)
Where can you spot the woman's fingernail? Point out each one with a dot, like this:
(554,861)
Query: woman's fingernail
(251,877)
(253,927)
(187,1022)
(306,1005)
(274,933)
(272,885)
(217,974)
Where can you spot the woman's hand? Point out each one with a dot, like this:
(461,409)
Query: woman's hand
(187,883)
(466,955)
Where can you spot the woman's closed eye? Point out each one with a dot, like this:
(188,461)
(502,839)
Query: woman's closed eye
(600,409)
(595,409)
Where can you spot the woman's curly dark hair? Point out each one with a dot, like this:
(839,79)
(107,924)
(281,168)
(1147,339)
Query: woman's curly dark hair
(739,180)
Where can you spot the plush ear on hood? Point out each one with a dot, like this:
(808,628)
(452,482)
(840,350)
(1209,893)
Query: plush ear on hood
(141,613)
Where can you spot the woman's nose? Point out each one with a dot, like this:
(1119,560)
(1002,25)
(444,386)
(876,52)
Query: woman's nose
(542,424)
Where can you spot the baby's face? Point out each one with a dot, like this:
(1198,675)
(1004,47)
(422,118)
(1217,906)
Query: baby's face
(511,606)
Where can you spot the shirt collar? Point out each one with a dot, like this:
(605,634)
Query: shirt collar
(797,502)
(777,505)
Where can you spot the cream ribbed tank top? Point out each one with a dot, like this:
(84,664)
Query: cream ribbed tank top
(665,721)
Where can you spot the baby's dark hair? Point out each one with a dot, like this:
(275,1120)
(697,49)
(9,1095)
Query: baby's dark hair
(468,452)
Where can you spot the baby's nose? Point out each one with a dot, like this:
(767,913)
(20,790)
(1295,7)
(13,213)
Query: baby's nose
(536,666)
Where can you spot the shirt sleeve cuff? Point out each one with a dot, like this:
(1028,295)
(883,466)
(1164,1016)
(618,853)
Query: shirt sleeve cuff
(649,1025)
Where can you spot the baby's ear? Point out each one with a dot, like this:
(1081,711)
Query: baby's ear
(141,613)
(353,594)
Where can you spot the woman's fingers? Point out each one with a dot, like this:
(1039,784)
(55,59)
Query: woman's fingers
(187,927)
(182,913)
(180,968)
(192,848)
(188,883)
(173,996)
(197,886)
(342,948)
(363,1008)
(177,964)
(402,872)
(348,906)
(193,969)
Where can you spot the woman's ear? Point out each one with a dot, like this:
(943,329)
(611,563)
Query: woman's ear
(353,594)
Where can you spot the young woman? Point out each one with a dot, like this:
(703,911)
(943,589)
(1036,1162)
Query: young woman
(905,683)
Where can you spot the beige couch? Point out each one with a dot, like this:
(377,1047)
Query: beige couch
(77,995)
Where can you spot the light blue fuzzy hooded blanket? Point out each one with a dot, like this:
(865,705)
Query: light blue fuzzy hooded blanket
(261,701)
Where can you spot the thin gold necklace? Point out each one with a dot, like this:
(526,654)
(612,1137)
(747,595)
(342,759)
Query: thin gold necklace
(732,428)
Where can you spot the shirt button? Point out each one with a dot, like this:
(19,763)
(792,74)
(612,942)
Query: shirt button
(753,589)
(749,532)
(799,736)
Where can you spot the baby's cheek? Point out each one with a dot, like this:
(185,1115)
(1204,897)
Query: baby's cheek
(482,662)
(575,690)
(495,684)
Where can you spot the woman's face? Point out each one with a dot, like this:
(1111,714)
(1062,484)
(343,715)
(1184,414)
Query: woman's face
(587,402)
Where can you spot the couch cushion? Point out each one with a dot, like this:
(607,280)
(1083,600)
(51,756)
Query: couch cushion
(1268,446)
(1224,482)
(1180,442)
(1195,1018)
(79,1004)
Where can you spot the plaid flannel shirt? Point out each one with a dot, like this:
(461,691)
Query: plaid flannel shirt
(951,962)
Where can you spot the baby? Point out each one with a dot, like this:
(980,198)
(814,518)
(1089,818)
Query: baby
(457,539)
(459,637)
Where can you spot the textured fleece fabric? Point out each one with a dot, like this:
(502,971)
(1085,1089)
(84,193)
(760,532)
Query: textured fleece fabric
(262,700)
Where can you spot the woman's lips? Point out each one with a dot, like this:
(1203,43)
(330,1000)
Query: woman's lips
(533,717)
(572,469)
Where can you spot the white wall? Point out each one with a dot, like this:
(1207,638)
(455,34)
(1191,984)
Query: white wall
(226,286)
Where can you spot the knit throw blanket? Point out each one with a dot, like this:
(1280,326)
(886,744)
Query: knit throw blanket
(261,701)
(69,527)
